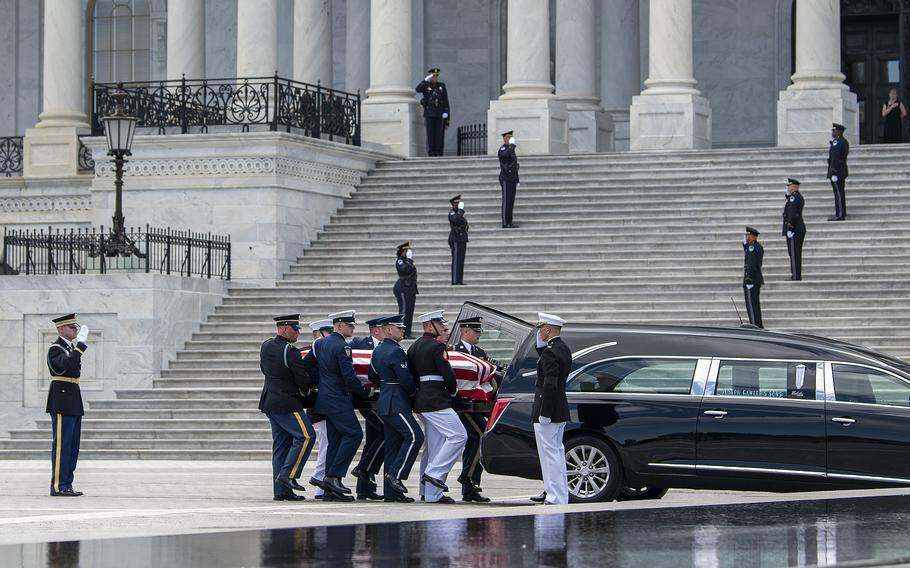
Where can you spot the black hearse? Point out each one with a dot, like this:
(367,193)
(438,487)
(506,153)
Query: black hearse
(656,407)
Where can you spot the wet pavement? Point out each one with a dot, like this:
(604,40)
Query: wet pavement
(870,531)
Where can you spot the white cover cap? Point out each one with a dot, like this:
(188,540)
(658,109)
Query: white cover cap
(429,316)
(346,316)
(549,319)
(319,324)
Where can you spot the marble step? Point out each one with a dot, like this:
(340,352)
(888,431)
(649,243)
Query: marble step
(128,453)
(263,444)
(140,432)
(178,405)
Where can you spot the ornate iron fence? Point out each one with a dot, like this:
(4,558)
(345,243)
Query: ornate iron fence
(187,105)
(472,140)
(83,251)
(11,156)
(86,160)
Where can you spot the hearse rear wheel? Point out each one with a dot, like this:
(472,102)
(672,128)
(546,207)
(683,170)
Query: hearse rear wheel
(593,469)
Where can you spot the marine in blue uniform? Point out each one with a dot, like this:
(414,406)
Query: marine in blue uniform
(435,102)
(406,286)
(752,276)
(838,150)
(794,228)
(338,384)
(285,383)
(508,177)
(64,402)
(371,457)
(458,239)
(403,436)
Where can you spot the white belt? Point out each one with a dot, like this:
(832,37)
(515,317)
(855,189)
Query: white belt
(428,378)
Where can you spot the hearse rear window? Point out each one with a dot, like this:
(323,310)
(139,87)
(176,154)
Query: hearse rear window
(651,376)
(768,379)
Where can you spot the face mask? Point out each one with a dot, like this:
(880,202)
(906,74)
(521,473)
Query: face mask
(540,341)
(461,205)
(409,254)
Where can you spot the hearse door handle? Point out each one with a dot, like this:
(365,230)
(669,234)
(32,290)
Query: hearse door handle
(844,421)
(716,413)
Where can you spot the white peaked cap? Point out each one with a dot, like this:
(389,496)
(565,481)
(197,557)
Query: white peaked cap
(550,319)
(430,316)
(345,316)
(319,324)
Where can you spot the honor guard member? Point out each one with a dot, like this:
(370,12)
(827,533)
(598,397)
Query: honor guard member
(371,457)
(293,435)
(475,423)
(338,384)
(320,329)
(550,410)
(64,402)
(403,436)
(752,276)
(838,149)
(406,286)
(508,178)
(794,228)
(445,436)
(435,104)
(458,239)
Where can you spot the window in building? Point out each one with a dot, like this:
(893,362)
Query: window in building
(120,40)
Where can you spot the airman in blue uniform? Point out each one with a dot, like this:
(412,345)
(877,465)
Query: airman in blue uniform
(371,457)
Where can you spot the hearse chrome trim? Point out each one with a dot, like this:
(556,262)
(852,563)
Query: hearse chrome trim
(760,470)
(702,372)
(674,465)
(586,350)
(870,478)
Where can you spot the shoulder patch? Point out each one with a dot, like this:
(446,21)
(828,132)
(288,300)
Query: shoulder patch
(834,143)
(792,198)
(751,248)
(347,351)
(400,261)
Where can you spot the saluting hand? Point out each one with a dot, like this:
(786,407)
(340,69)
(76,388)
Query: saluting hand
(82,335)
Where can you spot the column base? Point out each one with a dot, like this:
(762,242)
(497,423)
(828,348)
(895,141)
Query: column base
(51,151)
(669,122)
(541,125)
(620,120)
(804,116)
(590,130)
(395,127)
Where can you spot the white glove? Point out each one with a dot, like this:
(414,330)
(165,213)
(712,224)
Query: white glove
(540,342)
(750,286)
(445,115)
(544,420)
(834,178)
(789,234)
(512,141)
(409,254)
(461,205)
(745,241)
(82,336)
(428,77)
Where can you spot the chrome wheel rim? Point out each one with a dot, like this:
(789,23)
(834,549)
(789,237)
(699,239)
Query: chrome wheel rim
(588,471)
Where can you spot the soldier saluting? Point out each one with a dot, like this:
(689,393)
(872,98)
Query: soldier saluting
(794,228)
(406,286)
(752,276)
(508,177)
(435,103)
(458,239)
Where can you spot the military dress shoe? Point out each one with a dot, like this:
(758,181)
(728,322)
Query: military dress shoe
(468,483)
(68,492)
(360,474)
(474,497)
(334,484)
(320,483)
(837,218)
(371,496)
(437,483)
(289,497)
(398,499)
(337,497)
(290,484)
(542,498)
(445,500)
(395,483)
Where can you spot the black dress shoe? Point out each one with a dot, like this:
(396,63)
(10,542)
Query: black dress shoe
(396,483)
(446,500)
(542,498)
(360,474)
(837,218)
(399,499)
(317,483)
(290,484)
(334,484)
(468,484)
(437,483)
(289,497)
(332,496)
(371,496)
(68,492)
(474,497)
(513,226)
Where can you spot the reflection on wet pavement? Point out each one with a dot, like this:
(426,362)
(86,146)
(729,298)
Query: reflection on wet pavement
(800,533)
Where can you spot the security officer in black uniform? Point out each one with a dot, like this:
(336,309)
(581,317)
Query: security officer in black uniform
(371,457)
(475,423)
(64,402)
(286,381)
(435,104)
(794,228)
(403,436)
(406,286)
(458,239)
(508,177)
(838,149)
(752,276)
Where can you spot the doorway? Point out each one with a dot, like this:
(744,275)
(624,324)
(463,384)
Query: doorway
(871,63)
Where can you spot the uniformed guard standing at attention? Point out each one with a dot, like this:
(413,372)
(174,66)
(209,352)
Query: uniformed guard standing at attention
(64,402)
(338,383)
(550,409)
(293,436)
(752,276)
(435,104)
(403,436)
(371,457)
(320,328)
(458,239)
(475,423)
(445,435)
(794,228)
(838,149)
(406,286)
(508,178)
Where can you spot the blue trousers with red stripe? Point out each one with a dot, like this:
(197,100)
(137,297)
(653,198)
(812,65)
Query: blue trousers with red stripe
(67,431)
(293,438)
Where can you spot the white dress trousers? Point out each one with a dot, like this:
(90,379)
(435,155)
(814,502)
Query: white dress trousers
(444,442)
(323,448)
(553,461)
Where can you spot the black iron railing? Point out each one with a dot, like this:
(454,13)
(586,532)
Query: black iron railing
(83,251)
(11,156)
(86,160)
(185,105)
(472,140)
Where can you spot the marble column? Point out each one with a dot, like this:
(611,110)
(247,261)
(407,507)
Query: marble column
(818,95)
(528,105)
(590,129)
(313,41)
(186,39)
(390,115)
(257,38)
(620,68)
(670,113)
(357,46)
(51,149)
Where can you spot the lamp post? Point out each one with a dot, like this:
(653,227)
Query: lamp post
(119,129)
